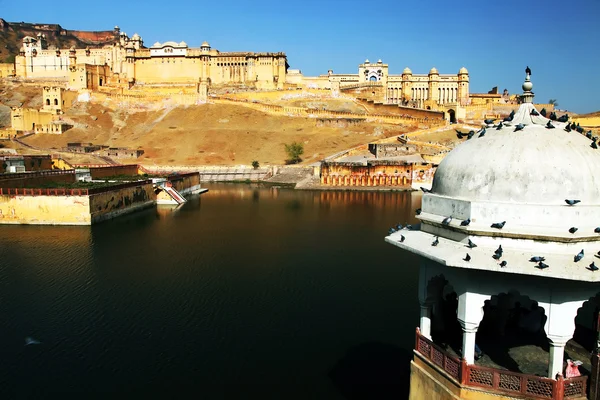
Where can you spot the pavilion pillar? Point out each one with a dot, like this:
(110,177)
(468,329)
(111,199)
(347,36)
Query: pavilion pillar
(557,354)
(560,326)
(425,320)
(470,313)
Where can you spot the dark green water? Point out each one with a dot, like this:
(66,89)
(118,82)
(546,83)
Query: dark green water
(242,293)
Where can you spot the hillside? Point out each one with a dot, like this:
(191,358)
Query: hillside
(12,34)
(210,134)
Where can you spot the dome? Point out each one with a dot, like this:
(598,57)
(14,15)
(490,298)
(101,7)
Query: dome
(205,44)
(367,61)
(183,44)
(72,48)
(135,37)
(548,165)
(379,61)
(463,70)
(407,71)
(433,71)
(511,187)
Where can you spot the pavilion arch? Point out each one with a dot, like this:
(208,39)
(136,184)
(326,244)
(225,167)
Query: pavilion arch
(586,323)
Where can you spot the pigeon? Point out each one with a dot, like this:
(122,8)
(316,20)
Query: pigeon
(408,227)
(541,265)
(553,116)
(497,256)
(564,118)
(579,256)
(489,121)
(599,254)
(503,264)
(471,244)
(592,267)
(499,126)
(446,221)
(573,125)
(435,242)
(398,227)
(534,112)
(537,259)
(29,340)
(402,238)
(392,230)
(579,129)
(498,225)
(425,190)
(549,125)
(466,222)
(519,127)
(460,135)
(572,229)
(482,132)
(470,135)
(572,202)
(594,145)
(588,134)
(418,211)
(499,250)
(543,112)
(568,128)
(467,258)
(597,230)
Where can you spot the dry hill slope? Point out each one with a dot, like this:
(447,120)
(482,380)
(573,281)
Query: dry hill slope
(209,134)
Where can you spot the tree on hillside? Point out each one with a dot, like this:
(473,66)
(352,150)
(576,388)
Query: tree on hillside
(294,151)
(554,102)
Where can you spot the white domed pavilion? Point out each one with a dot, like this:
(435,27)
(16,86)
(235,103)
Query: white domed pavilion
(498,201)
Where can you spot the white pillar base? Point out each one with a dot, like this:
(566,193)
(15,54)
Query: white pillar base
(425,321)
(468,345)
(557,355)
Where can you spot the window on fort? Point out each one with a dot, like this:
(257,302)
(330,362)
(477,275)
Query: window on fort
(55,102)
(47,102)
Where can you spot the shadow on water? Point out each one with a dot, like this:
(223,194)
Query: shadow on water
(373,370)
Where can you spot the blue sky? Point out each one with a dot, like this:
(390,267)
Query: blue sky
(494,40)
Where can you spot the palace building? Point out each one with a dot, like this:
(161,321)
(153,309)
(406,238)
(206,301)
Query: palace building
(127,62)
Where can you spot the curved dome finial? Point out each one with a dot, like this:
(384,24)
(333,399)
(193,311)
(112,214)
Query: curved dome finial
(527,86)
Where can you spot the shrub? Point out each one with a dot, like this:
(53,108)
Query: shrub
(255,164)
(294,151)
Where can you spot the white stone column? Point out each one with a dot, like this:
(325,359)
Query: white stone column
(470,313)
(425,320)
(468,342)
(560,326)
(557,355)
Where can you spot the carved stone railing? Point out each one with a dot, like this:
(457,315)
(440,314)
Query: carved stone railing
(497,380)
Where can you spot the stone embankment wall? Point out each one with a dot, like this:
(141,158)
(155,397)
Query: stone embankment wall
(395,109)
(30,179)
(215,174)
(73,206)
(588,122)
(113,170)
(121,199)
(314,113)
(44,210)
(185,183)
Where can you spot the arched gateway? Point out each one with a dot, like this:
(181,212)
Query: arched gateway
(507,264)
